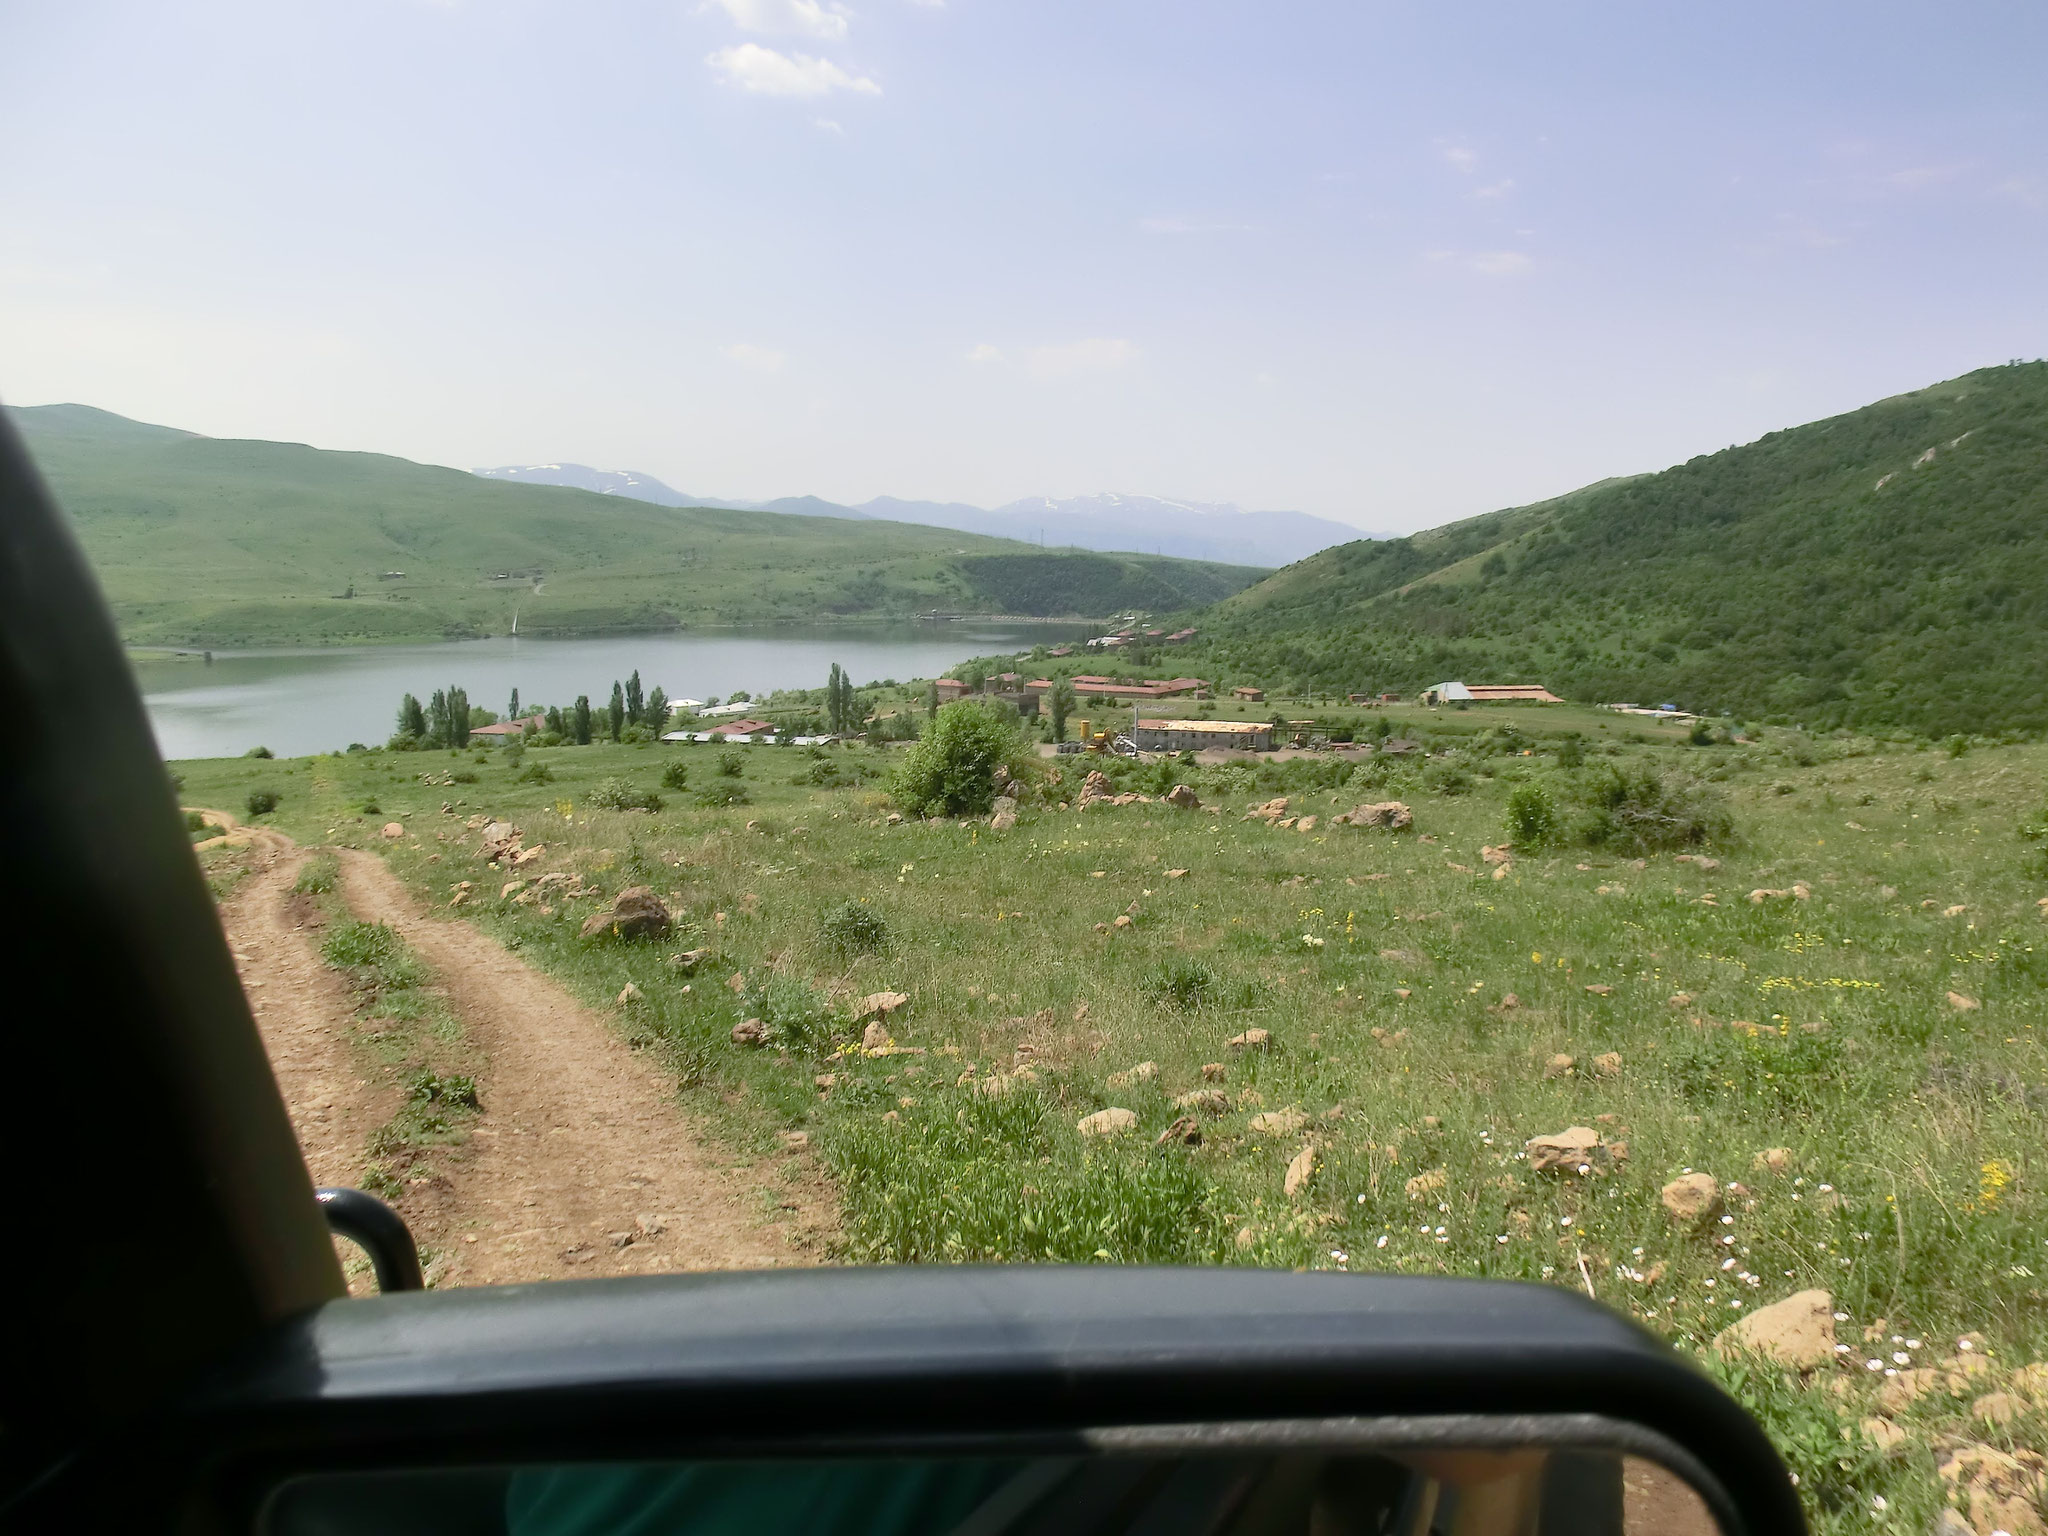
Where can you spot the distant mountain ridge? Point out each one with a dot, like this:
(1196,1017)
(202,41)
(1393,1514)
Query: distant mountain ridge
(1106,521)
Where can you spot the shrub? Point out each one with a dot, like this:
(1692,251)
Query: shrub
(536,773)
(732,765)
(316,877)
(259,752)
(1183,984)
(1643,812)
(262,802)
(852,928)
(796,1013)
(199,827)
(716,795)
(676,775)
(369,947)
(2033,833)
(1446,779)
(1532,816)
(951,769)
(617,795)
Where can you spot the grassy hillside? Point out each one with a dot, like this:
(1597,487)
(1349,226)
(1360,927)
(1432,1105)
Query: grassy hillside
(1887,567)
(206,541)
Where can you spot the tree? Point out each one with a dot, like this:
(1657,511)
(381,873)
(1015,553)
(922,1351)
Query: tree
(412,720)
(458,718)
(656,717)
(951,770)
(512,708)
(842,711)
(582,720)
(437,719)
(931,700)
(636,702)
(1059,700)
(554,721)
(832,721)
(615,712)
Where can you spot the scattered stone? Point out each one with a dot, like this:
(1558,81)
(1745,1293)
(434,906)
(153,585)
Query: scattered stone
(875,1037)
(1962,1004)
(1600,989)
(1272,810)
(1175,874)
(1107,1122)
(796,1140)
(1692,1200)
(893,819)
(1095,787)
(1184,1132)
(1997,1408)
(1210,1101)
(392,831)
(1245,1237)
(1509,1002)
(1143,1072)
(1123,920)
(1607,1064)
(2031,1382)
(1299,1172)
(1955,911)
(1388,815)
(1885,1435)
(879,1005)
(1213,1071)
(1568,1150)
(1559,1065)
(1183,798)
(629,994)
(462,889)
(501,840)
(753,1032)
(636,913)
(1501,854)
(1798,1332)
(1423,1185)
(1279,1122)
(526,856)
(1251,1040)
(510,889)
(1999,1490)
(689,960)
(1002,821)
(826,1080)
(1776,1160)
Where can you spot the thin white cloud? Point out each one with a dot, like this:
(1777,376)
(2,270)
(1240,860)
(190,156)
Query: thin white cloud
(756,359)
(1497,263)
(769,73)
(984,354)
(830,125)
(1499,188)
(2027,191)
(1190,227)
(1096,354)
(1460,158)
(788,18)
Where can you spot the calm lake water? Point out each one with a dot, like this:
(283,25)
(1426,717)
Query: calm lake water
(300,701)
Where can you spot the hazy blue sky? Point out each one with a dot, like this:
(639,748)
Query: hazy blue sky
(1389,263)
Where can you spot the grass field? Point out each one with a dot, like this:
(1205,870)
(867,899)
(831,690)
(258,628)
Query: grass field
(1419,1001)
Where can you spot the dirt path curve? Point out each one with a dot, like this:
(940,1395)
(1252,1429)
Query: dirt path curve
(581,1161)
(303,1011)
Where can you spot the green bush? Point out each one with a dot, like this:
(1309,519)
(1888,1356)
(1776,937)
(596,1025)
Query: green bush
(259,752)
(950,771)
(617,795)
(732,764)
(853,928)
(1532,816)
(676,775)
(1644,812)
(199,828)
(316,877)
(716,795)
(262,802)
(536,773)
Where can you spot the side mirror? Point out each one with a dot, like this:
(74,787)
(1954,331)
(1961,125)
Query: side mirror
(899,1402)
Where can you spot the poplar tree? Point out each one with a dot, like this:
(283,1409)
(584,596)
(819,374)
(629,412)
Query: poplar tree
(1060,700)
(615,712)
(582,719)
(656,716)
(636,702)
(512,709)
(458,717)
(437,719)
(412,720)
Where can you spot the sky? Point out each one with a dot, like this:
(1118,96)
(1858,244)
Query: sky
(1387,263)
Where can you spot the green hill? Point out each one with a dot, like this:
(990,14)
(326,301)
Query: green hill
(1886,567)
(210,541)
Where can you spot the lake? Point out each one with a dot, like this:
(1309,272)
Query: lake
(297,702)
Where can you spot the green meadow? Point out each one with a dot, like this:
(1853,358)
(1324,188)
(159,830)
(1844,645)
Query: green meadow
(1854,1053)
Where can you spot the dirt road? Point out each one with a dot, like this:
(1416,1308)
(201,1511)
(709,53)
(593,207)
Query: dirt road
(581,1162)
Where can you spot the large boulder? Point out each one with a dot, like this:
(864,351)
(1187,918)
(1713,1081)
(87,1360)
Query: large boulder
(635,913)
(1574,1149)
(1094,788)
(1108,1122)
(1692,1201)
(1184,798)
(1798,1332)
(501,841)
(1388,815)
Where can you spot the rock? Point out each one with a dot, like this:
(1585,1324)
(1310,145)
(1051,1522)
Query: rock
(2031,1382)
(1680,1000)
(1963,1004)
(462,890)
(501,840)
(1214,1072)
(1387,815)
(1251,1040)
(879,1005)
(826,1081)
(751,1032)
(1997,1408)
(510,889)
(635,913)
(1600,989)
(1567,1151)
(1183,798)
(1272,810)
(1003,805)
(1279,1122)
(1123,920)
(893,819)
(392,831)
(1952,1524)
(1299,1172)
(1002,821)
(1885,1435)
(1423,1185)
(1509,1002)
(1776,1160)
(526,856)
(1107,1122)
(1907,1388)
(1143,1072)
(629,994)
(1693,1200)
(1183,1132)
(875,1037)
(1176,874)
(1558,1066)
(2000,1490)
(795,1140)
(1501,854)
(1093,788)
(689,960)
(1798,1332)
(1607,1064)
(1210,1101)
